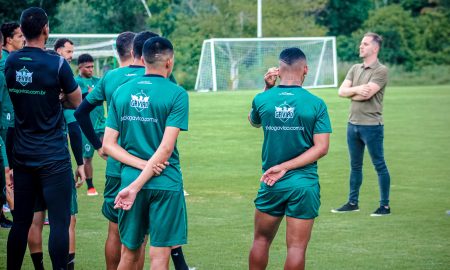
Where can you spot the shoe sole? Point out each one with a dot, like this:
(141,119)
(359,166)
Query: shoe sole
(340,212)
(379,215)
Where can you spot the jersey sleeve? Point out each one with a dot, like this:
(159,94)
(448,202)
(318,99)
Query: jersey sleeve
(97,95)
(3,153)
(178,116)
(380,77)
(112,121)
(254,114)
(322,124)
(66,80)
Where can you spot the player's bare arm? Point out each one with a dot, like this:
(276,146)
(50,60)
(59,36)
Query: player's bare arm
(113,149)
(126,197)
(72,100)
(270,78)
(320,149)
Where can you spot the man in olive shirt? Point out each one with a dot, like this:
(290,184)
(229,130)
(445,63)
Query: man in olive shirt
(365,85)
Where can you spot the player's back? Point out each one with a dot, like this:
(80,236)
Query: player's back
(144,107)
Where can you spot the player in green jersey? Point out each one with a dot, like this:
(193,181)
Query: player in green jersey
(87,81)
(296,134)
(153,108)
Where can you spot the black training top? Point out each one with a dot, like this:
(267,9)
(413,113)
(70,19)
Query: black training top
(35,79)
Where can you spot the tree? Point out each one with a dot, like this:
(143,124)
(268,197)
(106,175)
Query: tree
(11,10)
(344,17)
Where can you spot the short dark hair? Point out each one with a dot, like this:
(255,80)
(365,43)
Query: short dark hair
(156,46)
(8,30)
(124,44)
(292,55)
(1,37)
(85,58)
(32,21)
(139,40)
(375,38)
(60,43)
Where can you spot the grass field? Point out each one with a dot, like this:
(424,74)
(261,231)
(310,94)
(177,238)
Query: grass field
(221,166)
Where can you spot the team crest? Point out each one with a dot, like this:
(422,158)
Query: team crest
(140,101)
(24,77)
(284,112)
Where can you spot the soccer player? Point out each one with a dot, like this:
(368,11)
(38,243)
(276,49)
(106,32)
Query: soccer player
(87,82)
(4,222)
(364,85)
(296,134)
(65,47)
(40,156)
(154,108)
(129,49)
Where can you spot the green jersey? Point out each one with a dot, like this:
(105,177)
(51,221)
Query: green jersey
(98,114)
(289,116)
(141,110)
(104,90)
(7,119)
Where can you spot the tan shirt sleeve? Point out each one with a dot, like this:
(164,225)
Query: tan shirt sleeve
(350,73)
(380,76)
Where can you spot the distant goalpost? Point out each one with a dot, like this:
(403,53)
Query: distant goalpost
(100,46)
(240,63)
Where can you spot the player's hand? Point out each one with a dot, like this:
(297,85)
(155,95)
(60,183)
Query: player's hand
(9,179)
(364,90)
(158,168)
(270,78)
(125,198)
(272,175)
(102,153)
(80,176)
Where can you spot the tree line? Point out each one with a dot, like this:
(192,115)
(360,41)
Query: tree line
(416,32)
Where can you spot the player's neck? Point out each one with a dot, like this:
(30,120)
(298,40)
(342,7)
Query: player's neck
(288,79)
(36,43)
(155,72)
(137,62)
(126,62)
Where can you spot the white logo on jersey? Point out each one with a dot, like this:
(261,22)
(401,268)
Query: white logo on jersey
(139,101)
(284,112)
(24,77)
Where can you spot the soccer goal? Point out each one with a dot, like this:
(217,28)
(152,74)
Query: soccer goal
(101,46)
(97,45)
(240,63)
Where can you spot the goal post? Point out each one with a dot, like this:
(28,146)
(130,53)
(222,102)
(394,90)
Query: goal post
(240,63)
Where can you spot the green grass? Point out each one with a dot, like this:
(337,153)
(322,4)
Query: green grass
(221,166)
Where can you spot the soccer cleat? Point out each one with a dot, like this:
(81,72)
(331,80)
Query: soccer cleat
(46,222)
(92,192)
(6,208)
(192,268)
(348,207)
(4,222)
(185,193)
(381,211)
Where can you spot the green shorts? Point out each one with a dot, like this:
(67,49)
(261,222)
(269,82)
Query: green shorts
(112,186)
(299,202)
(160,213)
(40,204)
(88,149)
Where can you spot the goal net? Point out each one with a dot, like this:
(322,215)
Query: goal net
(97,45)
(240,63)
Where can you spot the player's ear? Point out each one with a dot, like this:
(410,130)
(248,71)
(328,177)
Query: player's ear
(305,70)
(142,60)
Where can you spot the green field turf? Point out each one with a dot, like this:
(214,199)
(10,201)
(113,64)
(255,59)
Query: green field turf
(221,163)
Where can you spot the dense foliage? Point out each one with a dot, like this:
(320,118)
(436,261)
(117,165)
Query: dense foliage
(416,32)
